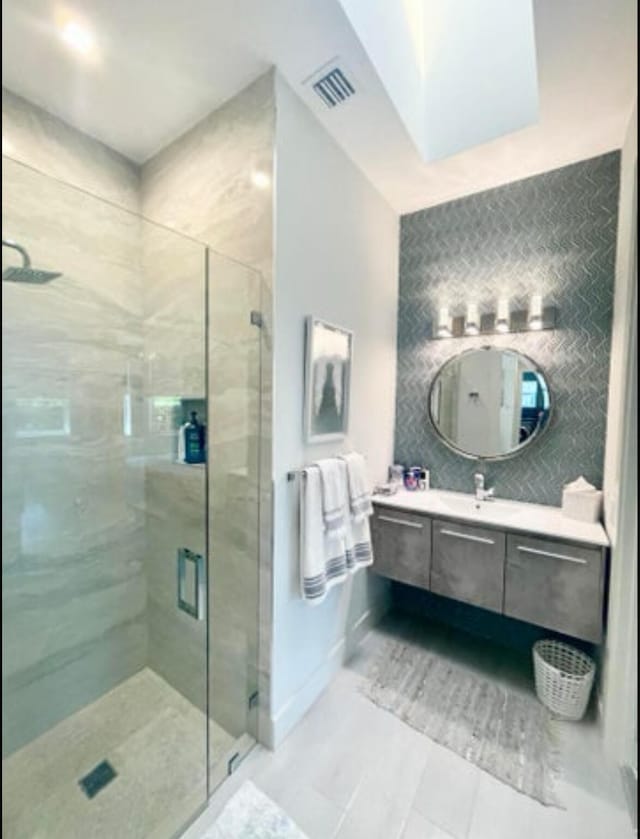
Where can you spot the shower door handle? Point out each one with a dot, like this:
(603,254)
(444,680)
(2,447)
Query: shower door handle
(192,594)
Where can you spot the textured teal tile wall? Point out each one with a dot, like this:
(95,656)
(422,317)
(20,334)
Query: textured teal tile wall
(553,234)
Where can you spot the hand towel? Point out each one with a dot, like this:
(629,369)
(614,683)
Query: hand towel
(358,486)
(334,491)
(323,561)
(357,536)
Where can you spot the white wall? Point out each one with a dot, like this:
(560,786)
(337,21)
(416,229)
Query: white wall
(620,484)
(336,258)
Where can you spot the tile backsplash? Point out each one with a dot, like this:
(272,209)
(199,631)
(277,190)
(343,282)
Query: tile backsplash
(553,234)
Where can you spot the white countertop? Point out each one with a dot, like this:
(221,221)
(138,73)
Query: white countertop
(510,515)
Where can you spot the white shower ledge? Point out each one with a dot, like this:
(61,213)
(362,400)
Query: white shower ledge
(510,515)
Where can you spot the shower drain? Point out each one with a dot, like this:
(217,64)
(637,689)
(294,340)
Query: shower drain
(97,779)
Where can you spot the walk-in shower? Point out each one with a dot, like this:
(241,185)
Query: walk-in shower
(128,695)
(25,273)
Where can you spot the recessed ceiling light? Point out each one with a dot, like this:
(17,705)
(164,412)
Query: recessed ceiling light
(78,37)
(261,180)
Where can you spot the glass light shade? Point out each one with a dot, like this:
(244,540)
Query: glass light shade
(472,321)
(535,312)
(444,323)
(502,316)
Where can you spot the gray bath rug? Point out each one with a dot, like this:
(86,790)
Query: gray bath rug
(504,732)
(250,814)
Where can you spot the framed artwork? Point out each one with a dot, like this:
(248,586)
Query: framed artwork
(328,357)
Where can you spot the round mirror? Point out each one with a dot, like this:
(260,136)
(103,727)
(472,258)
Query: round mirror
(489,403)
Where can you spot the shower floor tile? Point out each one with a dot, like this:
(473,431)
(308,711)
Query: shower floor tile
(154,739)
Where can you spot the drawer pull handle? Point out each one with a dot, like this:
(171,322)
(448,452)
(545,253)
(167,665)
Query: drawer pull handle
(468,537)
(551,555)
(401,521)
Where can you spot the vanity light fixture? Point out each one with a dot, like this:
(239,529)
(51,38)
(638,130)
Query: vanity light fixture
(472,321)
(502,316)
(535,312)
(444,323)
(504,320)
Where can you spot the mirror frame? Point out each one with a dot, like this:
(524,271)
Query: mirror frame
(518,449)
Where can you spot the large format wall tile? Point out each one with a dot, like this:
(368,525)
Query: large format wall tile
(123,327)
(37,138)
(74,594)
(553,234)
(202,186)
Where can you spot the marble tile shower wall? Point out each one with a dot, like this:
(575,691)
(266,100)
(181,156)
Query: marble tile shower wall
(202,186)
(553,234)
(74,622)
(107,607)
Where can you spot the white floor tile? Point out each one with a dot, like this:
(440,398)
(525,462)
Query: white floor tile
(586,817)
(447,790)
(417,827)
(500,812)
(314,814)
(351,770)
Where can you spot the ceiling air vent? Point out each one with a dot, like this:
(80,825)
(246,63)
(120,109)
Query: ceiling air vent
(333,87)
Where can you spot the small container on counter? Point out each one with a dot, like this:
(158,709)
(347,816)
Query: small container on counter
(412,478)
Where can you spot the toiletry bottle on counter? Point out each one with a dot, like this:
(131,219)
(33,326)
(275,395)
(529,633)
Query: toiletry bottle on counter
(416,478)
(194,440)
(411,478)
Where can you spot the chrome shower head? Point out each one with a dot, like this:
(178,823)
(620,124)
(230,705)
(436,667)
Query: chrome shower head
(25,273)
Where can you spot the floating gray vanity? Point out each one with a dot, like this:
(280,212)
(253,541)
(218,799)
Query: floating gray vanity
(526,561)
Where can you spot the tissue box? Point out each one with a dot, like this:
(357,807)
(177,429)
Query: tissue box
(583,506)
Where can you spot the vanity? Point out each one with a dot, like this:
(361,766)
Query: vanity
(525,561)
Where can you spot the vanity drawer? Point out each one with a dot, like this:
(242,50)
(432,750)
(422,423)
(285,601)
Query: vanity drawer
(468,564)
(401,545)
(557,585)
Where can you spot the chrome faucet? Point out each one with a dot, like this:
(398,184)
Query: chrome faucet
(482,494)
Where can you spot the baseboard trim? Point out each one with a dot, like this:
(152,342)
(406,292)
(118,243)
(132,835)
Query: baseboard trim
(630,785)
(286,718)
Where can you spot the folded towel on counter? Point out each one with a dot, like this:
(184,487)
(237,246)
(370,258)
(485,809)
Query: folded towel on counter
(358,486)
(334,492)
(323,559)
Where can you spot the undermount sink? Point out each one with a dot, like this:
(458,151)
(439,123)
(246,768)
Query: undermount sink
(466,506)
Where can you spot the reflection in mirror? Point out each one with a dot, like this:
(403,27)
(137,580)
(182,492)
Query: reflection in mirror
(489,403)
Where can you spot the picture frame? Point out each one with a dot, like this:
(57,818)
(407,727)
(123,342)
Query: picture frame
(328,362)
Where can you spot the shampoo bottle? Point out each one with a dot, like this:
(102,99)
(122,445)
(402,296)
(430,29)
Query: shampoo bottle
(194,448)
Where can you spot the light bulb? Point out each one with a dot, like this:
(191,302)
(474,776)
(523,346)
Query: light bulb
(472,322)
(502,316)
(444,323)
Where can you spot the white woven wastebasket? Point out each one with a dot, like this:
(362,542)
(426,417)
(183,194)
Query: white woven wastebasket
(564,678)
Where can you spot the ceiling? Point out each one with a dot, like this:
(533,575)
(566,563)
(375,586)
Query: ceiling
(160,66)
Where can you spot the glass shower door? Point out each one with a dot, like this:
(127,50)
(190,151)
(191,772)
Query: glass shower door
(235,410)
(104,572)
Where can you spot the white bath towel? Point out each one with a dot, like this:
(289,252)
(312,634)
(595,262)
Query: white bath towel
(357,534)
(358,485)
(323,560)
(334,492)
